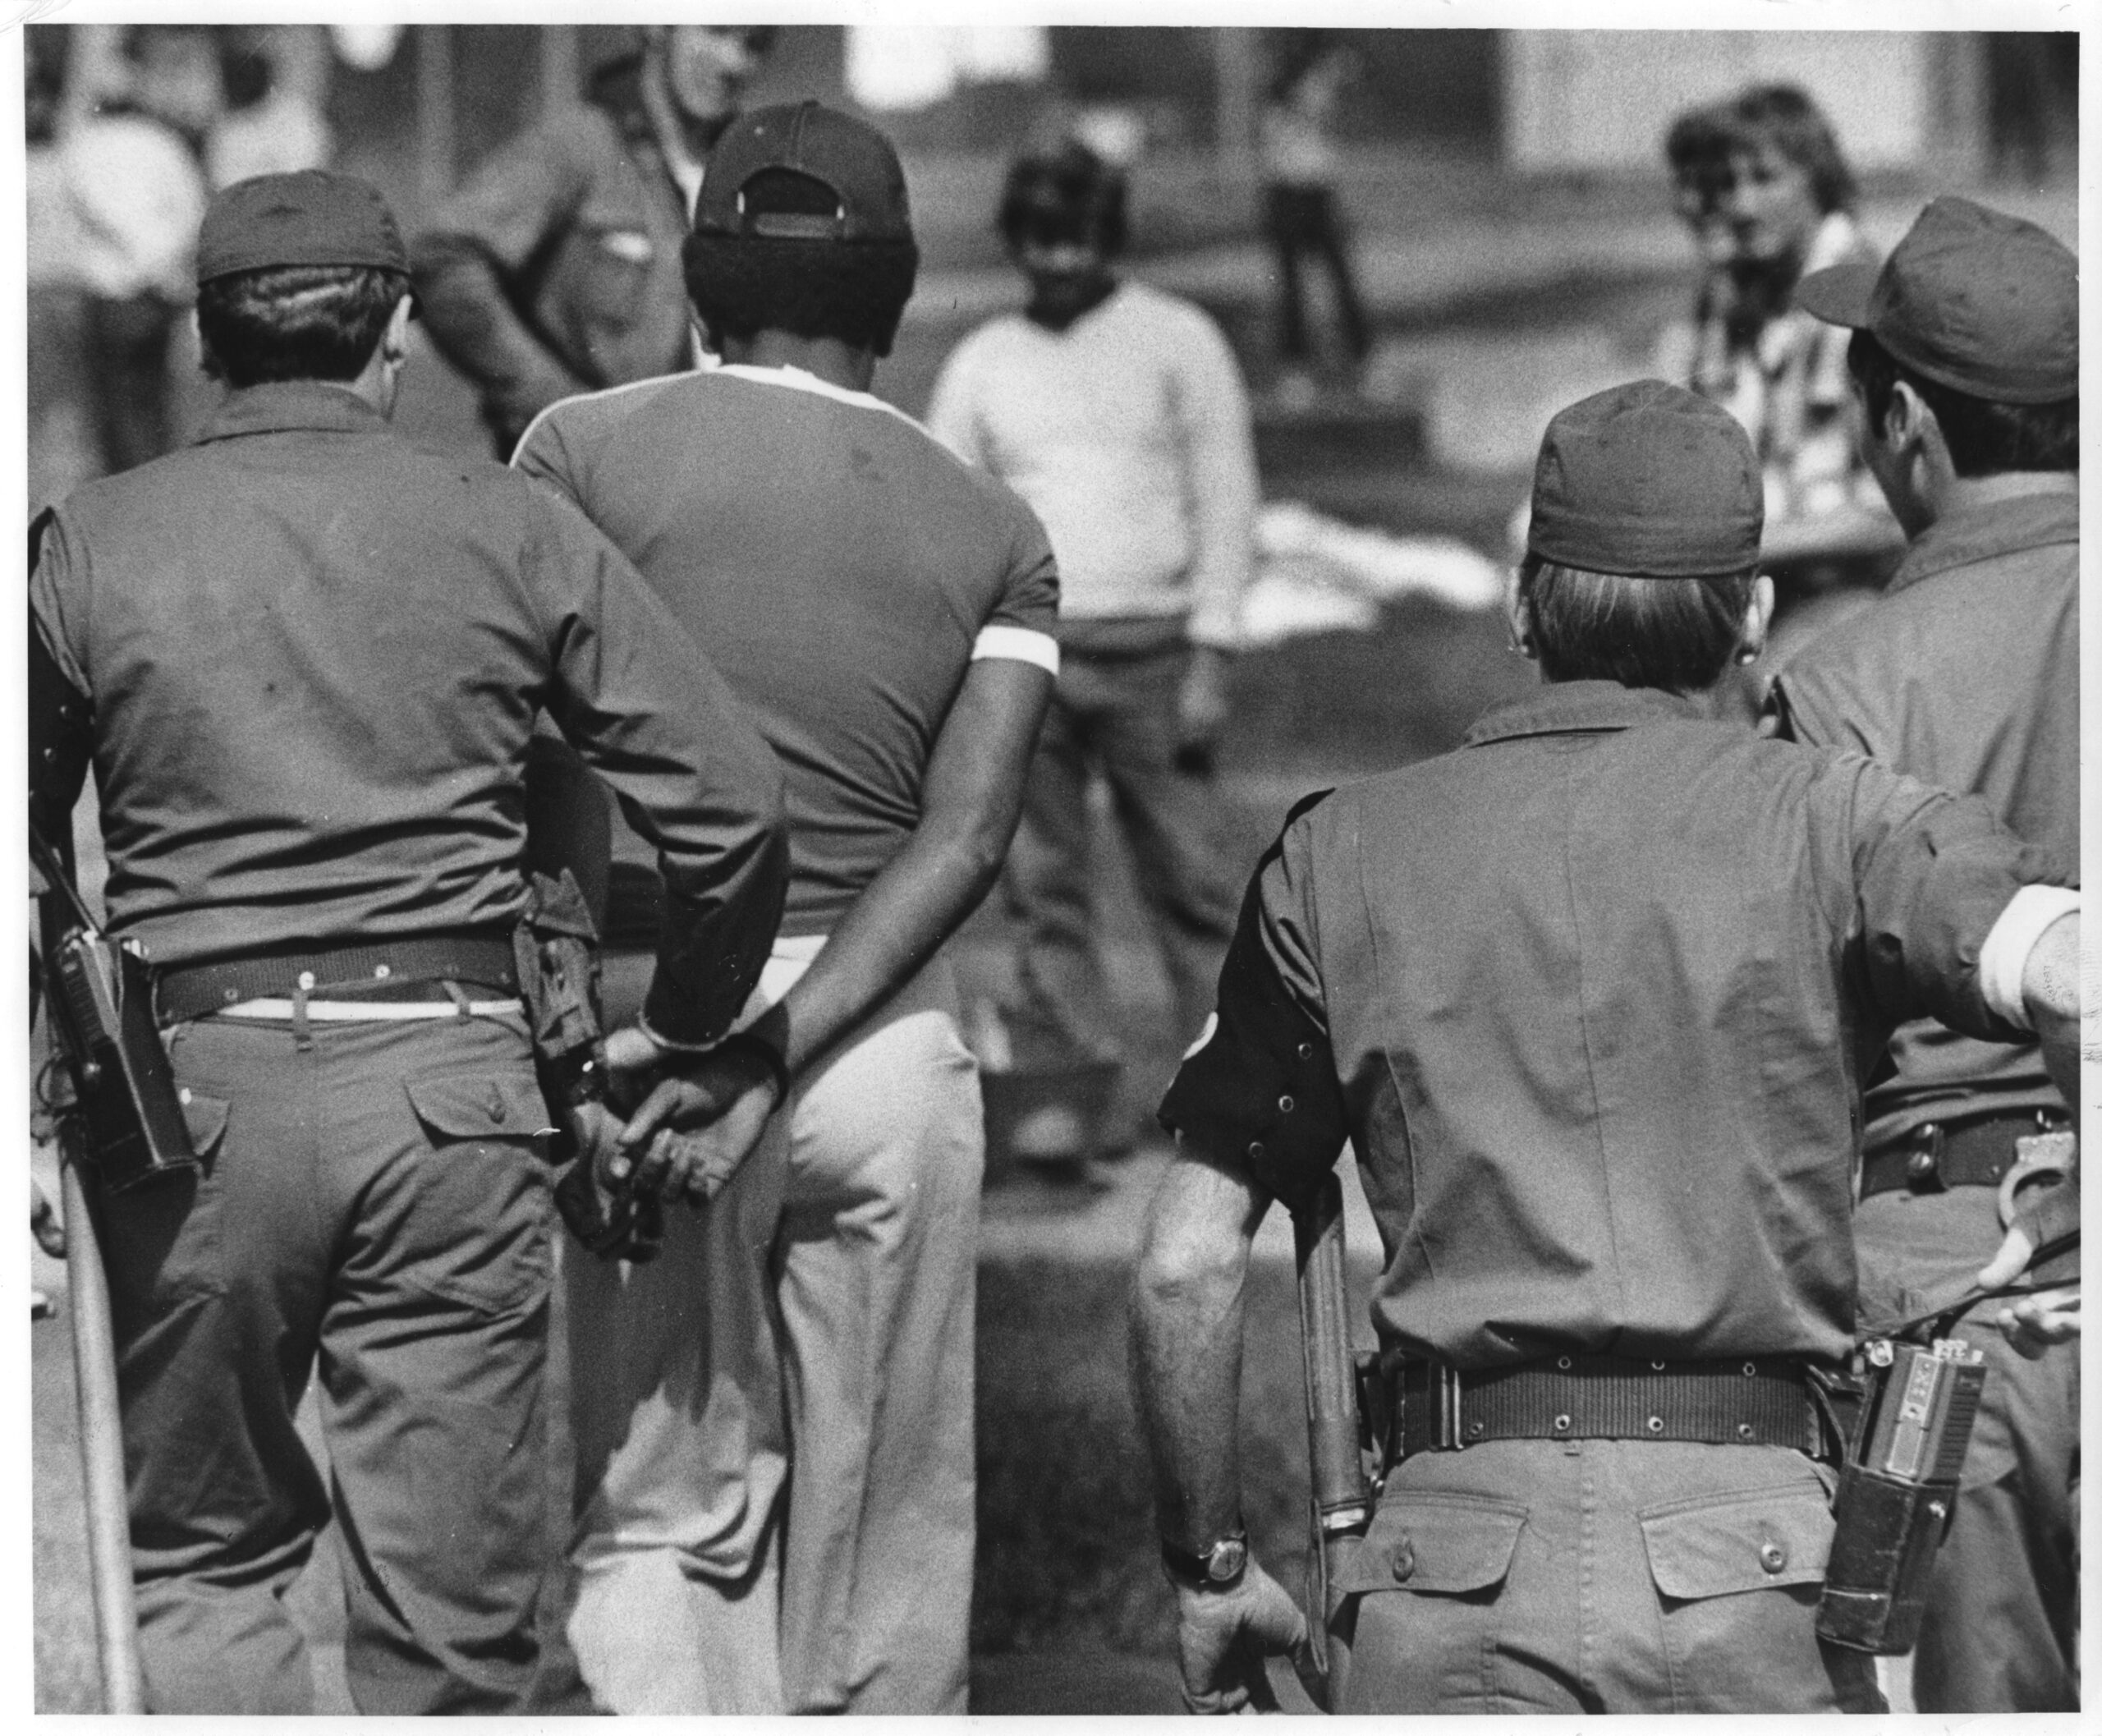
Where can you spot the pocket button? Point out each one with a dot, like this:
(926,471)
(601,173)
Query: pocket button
(1404,1563)
(498,1112)
(1772,1556)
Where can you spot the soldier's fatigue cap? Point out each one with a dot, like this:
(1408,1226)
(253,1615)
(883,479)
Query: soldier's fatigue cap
(312,218)
(1649,481)
(1971,299)
(848,158)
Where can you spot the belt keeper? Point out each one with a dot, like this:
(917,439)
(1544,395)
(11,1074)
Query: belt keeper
(458,996)
(302,1031)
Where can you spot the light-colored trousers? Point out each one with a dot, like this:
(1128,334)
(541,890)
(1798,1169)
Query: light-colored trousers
(775,1495)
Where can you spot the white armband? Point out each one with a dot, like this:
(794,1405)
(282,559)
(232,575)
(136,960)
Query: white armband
(1023,644)
(2005,954)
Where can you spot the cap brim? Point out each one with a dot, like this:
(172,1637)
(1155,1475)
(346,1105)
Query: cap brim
(1839,296)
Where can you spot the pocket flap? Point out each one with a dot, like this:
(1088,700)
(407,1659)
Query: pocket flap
(1719,1545)
(1423,1542)
(479,1105)
(206,1119)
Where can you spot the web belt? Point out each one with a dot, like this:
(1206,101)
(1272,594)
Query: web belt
(376,971)
(1731,1401)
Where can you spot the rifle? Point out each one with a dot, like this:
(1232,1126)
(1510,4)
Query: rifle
(122,1113)
(1338,1435)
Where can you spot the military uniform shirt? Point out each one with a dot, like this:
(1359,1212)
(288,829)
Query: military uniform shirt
(1592,997)
(1967,674)
(809,536)
(315,656)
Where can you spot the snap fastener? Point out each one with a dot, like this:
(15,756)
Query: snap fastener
(1655,1424)
(183,1095)
(1562,1362)
(1477,1426)
(1744,1431)
(1286,1105)
(1404,1561)
(306,979)
(1920,1165)
(1255,1149)
(1773,1557)
(229,996)
(383,970)
(1306,1051)
(1657,1367)
(1751,1368)
(1562,1423)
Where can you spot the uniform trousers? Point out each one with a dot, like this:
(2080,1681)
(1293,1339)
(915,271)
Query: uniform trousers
(2002,1617)
(1596,1576)
(371,1195)
(776,1484)
(1118,713)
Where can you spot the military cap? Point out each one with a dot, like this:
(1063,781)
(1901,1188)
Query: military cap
(312,218)
(1649,481)
(849,158)
(1971,299)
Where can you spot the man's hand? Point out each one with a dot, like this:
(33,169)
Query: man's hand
(695,1128)
(1223,1637)
(44,1225)
(2051,992)
(2032,1324)
(1200,709)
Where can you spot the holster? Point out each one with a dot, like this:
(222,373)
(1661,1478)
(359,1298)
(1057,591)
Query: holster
(557,945)
(1898,1492)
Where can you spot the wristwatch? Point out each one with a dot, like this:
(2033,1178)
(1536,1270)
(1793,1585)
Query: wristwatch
(1213,1568)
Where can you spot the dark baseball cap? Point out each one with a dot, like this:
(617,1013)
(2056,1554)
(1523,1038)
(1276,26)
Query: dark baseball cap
(312,218)
(848,158)
(1650,481)
(1971,299)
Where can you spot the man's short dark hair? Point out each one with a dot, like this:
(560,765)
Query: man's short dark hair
(1784,119)
(854,292)
(1697,147)
(1676,634)
(1984,438)
(296,322)
(1069,193)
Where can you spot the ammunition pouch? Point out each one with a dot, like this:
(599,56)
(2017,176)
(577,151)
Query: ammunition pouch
(556,945)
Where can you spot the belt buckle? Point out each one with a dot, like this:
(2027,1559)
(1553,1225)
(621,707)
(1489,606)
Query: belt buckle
(2036,1156)
(1447,1379)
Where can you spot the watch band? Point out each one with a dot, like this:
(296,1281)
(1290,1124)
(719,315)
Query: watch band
(1221,1564)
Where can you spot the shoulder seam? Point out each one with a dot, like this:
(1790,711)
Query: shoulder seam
(587,397)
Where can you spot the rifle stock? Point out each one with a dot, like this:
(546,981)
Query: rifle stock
(1340,1507)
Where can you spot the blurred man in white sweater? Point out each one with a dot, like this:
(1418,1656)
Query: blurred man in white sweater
(1118,413)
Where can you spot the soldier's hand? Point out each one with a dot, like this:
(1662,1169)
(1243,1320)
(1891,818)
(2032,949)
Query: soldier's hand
(695,1127)
(44,1225)
(631,1054)
(1224,1636)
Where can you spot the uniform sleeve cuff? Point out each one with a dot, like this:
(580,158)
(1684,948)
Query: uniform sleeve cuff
(2005,954)
(1022,643)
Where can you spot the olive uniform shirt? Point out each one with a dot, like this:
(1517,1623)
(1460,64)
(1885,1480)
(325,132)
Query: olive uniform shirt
(1967,674)
(314,657)
(1592,997)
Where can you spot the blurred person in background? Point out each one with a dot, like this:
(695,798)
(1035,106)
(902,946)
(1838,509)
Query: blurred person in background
(272,126)
(1301,217)
(1117,412)
(555,269)
(1964,355)
(131,176)
(1760,182)
(65,448)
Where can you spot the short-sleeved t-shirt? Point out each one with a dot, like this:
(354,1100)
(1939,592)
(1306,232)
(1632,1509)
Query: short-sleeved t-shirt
(838,564)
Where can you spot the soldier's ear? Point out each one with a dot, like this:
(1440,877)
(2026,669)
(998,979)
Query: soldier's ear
(394,341)
(1905,418)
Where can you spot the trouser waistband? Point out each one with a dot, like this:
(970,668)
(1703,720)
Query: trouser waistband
(1730,1401)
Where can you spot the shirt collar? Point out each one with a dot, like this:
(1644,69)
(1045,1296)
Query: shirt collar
(1577,707)
(801,379)
(284,405)
(1980,533)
